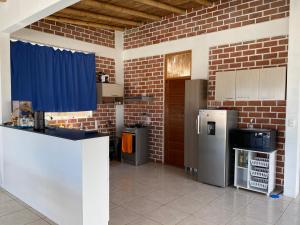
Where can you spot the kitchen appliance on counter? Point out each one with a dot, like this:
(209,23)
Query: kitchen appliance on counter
(215,159)
(39,121)
(139,153)
(195,99)
(253,139)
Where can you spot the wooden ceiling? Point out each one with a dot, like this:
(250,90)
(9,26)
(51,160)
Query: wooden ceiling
(121,15)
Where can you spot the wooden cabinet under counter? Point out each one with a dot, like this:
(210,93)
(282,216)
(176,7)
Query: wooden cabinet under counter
(108,93)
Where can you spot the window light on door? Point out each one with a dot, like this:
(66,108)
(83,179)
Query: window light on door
(178,65)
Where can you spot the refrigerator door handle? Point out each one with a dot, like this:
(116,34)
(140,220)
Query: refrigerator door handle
(198,124)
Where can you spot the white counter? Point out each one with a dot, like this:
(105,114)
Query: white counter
(66,180)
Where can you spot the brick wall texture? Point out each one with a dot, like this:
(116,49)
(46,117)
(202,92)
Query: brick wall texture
(262,53)
(81,33)
(144,76)
(225,14)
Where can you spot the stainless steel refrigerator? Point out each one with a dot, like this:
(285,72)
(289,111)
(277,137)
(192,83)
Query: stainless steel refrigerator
(214,158)
(195,99)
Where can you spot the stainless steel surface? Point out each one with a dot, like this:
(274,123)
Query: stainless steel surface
(140,156)
(214,153)
(195,99)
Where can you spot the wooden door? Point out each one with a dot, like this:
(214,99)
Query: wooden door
(174,122)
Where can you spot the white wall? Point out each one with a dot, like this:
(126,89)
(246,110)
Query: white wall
(16,14)
(119,41)
(5,87)
(292,146)
(30,35)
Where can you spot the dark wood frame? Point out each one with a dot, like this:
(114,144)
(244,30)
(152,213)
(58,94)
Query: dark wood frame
(165,64)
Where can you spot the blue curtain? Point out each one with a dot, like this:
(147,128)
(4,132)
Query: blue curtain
(53,80)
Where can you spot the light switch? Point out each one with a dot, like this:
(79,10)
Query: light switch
(291,123)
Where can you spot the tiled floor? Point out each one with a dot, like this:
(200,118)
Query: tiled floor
(161,195)
(153,194)
(16,212)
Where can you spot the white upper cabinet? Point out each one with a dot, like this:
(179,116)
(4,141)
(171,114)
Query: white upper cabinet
(112,90)
(247,84)
(225,85)
(272,83)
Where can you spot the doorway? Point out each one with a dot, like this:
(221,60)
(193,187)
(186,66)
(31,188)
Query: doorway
(177,71)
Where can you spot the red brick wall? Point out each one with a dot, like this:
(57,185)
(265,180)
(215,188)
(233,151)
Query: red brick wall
(226,14)
(268,52)
(81,33)
(145,76)
(107,66)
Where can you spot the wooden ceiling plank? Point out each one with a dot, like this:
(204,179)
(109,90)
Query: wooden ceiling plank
(87,15)
(203,2)
(118,9)
(83,23)
(163,6)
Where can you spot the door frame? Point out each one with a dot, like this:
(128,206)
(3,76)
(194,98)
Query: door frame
(165,79)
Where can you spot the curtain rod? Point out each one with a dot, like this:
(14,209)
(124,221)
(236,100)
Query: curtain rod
(51,46)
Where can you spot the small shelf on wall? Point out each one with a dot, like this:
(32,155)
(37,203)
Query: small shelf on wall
(109,93)
(139,98)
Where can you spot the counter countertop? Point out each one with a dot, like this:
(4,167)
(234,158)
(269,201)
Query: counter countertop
(71,134)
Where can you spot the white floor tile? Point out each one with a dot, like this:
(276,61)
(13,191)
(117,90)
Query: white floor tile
(143,221)
(289,220)
(163,196)
(166,215)
(186,204)
(192,220)
(122,216)
(4,197)
(264,211)
(8,207)
(242,220)
(39,222)
(141,205)
(215,215)
(19,218)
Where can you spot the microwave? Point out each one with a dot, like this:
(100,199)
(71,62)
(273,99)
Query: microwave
(253,139)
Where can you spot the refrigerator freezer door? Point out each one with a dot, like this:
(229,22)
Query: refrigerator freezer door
(212,147)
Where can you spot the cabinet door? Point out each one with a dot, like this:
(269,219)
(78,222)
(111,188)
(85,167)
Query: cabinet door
(272,83)
(225,85)
(247,84)
(112,90)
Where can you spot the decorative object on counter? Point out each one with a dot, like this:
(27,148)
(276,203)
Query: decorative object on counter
(102,77)
(39,121)
(22,114)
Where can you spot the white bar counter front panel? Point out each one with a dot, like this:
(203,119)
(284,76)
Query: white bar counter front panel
(66,180)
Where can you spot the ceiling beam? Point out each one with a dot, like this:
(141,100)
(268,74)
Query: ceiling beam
(83,23)
(2,0)
(89,15)
(105,6)
(163,6)
(204,2)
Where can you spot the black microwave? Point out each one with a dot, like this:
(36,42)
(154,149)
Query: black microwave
(253,139)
